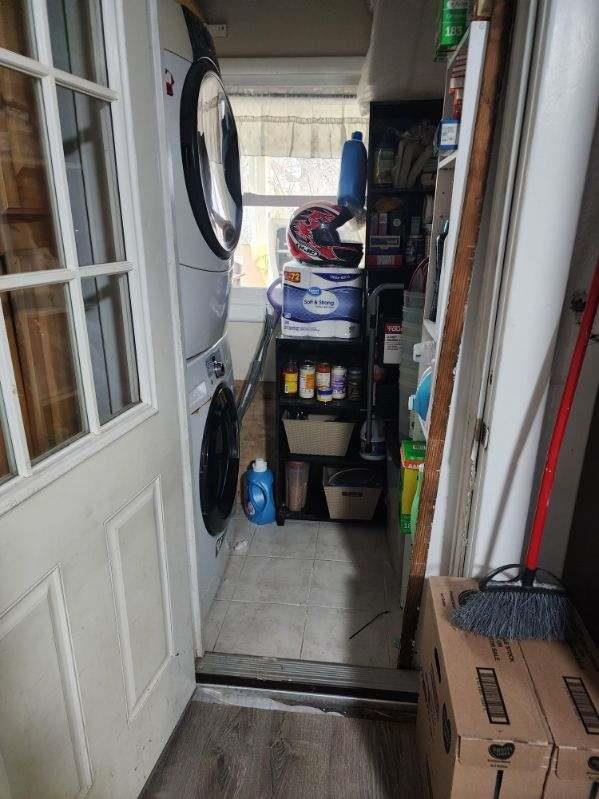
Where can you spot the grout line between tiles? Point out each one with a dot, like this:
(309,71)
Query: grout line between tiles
(301,653)
(214,649)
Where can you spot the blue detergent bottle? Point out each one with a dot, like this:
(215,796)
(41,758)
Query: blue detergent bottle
(352,177)
(258,497)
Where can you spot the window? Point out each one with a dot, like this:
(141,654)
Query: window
(290,154)
(69,333)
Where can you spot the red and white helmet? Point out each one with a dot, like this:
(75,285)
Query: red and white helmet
(313,236)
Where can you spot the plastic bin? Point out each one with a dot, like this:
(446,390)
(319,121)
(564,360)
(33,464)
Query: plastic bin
(407,344)
(413,299)
(296,473)
(351,493)
(318,436)
(412,329)
(413,314)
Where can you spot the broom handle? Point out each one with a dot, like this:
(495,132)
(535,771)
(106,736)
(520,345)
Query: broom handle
(565,406)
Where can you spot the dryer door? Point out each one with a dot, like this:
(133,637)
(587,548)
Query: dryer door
(219,461)
(210,156)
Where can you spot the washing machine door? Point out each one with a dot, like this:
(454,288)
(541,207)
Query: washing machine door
(219,461)
(210,156)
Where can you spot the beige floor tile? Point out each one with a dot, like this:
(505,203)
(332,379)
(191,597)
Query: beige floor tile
(392,587)
(326,637)
(293,540)
(230,577)
(394,634)
(259,628)
(351,543)
(346,585)
(274,580)
(211,626)
(239,535)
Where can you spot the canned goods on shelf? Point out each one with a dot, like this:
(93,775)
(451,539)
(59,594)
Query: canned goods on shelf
(339,382)
(324,394)
(307,375)
(323,375)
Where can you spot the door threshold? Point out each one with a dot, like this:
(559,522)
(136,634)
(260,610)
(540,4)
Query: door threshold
(312,703)
(308,677)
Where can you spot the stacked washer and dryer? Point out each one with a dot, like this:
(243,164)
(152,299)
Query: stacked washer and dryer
(206,196)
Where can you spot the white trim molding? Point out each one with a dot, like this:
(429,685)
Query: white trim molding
(300,73)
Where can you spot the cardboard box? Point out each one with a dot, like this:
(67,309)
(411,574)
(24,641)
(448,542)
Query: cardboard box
(566,679)
(321,302)
(480,730)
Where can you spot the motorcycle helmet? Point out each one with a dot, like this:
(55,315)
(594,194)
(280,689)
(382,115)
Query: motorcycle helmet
(313,237)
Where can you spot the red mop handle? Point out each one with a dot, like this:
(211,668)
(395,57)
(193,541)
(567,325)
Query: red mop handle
(565,406)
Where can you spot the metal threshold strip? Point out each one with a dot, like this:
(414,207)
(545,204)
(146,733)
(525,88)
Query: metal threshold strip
(333,679)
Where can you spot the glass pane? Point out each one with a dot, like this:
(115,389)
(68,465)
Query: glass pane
(15,27)
(112,345)
(262,248)
(28,239)
(77,38)
(88,145)
(219,162)
(43,355)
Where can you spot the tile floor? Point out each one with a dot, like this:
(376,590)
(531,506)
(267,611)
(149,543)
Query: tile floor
(301,590)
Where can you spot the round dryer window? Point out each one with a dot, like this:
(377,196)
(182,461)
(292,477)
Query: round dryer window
(210,155)
(219,461)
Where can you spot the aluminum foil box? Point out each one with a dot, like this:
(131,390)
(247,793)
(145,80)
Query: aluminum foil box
(321,302)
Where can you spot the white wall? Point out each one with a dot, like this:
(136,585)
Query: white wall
(173,30)
(545,217)
(567,476)
(243,338)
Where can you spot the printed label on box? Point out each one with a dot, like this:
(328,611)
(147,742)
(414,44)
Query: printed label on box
(392,346)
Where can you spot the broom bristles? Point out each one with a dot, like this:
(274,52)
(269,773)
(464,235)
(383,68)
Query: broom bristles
(520,615)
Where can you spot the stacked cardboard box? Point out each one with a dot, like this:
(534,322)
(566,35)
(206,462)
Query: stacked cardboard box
(502,719)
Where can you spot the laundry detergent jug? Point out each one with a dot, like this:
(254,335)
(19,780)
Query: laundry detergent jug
(258,495)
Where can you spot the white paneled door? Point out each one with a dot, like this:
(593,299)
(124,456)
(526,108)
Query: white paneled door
(96,661)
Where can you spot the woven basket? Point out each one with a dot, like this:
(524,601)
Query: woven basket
(349,502)
(317,437)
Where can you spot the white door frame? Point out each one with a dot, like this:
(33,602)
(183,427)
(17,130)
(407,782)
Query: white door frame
(548,193)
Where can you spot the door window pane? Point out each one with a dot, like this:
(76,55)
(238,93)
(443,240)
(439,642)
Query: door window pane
(15,27)
(28,239)
(77,38)
(112,345)
(43,355)
(88,145)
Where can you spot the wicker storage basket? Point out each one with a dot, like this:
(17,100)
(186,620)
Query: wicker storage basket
(318,437)
(350,502)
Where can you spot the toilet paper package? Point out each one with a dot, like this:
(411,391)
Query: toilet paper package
(321,302)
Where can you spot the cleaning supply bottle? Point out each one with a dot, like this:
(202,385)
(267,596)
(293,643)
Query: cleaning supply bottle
(258,496)
(352,177)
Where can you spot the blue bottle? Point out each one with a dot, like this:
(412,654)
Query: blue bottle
(258,497)
(352,178)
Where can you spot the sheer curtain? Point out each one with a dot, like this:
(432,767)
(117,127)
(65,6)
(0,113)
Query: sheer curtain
(296,126)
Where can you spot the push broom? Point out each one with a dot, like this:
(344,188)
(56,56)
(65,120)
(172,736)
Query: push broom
(533,603)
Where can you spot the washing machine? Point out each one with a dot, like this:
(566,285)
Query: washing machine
(214,438)
(205,187)
(207,215)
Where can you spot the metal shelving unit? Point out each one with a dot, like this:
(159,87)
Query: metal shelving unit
(349,352)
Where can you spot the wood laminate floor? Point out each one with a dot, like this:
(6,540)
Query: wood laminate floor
(249,753)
